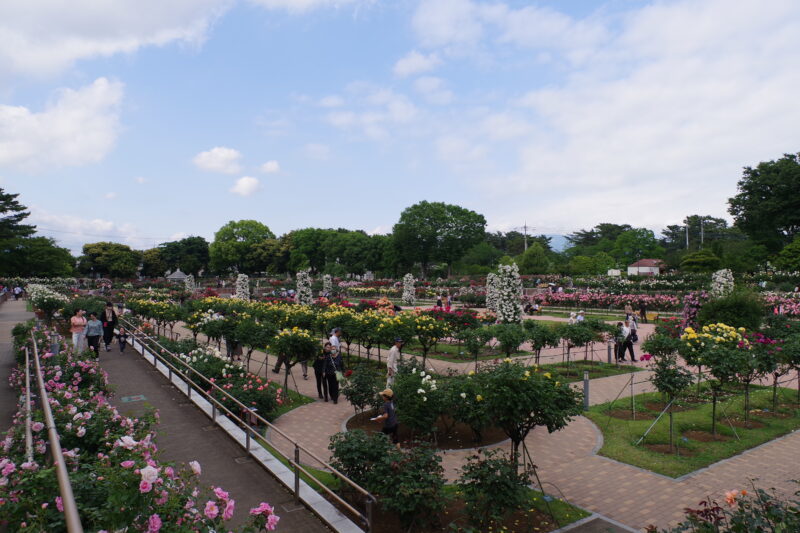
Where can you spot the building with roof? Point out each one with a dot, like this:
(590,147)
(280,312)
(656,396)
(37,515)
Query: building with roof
(646,267)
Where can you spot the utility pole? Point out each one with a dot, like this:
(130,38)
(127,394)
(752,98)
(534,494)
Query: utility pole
(701,232)
(525,227)
(687,237)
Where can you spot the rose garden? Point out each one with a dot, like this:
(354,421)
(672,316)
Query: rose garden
(492,401)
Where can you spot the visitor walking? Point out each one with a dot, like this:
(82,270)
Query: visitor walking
(334,366)
(581,317)
(643,311)
(122,337)
(628,311)
(17,292)
(319,371)
(109,323)
(572,318)
(391,362)
(388,416)
(335,340)
(624,341)
(94,330)
(77,324)
(439,301)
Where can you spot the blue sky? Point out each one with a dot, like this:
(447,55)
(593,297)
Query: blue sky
(145,121)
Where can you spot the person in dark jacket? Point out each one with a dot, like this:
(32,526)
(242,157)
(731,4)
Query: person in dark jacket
(388,416)
(319,371)
(109,320)
(333,363)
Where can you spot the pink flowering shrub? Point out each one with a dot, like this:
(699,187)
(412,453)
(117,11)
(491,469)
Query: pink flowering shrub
(117,476)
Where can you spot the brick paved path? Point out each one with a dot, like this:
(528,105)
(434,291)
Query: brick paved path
(568,458)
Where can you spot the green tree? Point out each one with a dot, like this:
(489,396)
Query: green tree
(767,206)
(189,254)
(435,231)
(153,265)
(700,261)
(233,246)
(534,260)
(482,254)
(12,213)
(36,257)
(635,244)
(109,259)
(789,258)
(581,265)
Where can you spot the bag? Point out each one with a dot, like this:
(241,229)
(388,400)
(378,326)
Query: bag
(339,375)
(634,337)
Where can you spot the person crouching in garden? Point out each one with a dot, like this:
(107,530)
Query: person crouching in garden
(94,329)
(388,416)
(334,366)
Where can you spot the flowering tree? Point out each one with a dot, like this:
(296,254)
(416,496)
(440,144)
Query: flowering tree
(509,292)
(242,287)
(408,289)
(304,294)
(721,283)
(491,291)
(327,284)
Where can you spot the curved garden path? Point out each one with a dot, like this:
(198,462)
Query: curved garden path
(567,460)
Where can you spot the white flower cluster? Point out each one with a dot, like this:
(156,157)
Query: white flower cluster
(39,294)
(202,354)
(428,384)
(721,283)
(242,287)
(304,294)
(188,283)
(509,293)
(409,296)
(491,291)
(327,284)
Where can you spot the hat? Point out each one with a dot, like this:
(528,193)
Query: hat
(387,392)
(398,339)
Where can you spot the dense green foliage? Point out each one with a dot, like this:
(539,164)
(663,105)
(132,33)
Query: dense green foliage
(741,308)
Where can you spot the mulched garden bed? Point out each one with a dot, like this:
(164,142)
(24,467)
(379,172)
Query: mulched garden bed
(461,436)
(705,436)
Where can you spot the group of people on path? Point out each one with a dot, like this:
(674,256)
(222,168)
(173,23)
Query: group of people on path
(628,334)
(87,332)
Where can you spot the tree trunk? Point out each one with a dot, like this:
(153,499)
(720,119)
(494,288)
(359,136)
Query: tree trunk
(714,412)
(671,439)
(747,402)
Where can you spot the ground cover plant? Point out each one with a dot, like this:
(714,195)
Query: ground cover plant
(695,445)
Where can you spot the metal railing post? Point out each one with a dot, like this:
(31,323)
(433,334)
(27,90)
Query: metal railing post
(28,433)
(369,514)
(585,390)
(71,516)
(296,473)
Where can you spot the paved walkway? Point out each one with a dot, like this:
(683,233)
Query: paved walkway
(11,313)
(185,433)
(568,459)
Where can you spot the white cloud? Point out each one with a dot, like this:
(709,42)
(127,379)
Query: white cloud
(448,22)
(47,36)
(219,159)
(416,63)
(661,121)
(302,6)
(246,186)
(76,128)
(379,110)
(110,195)
(271,167)
(317,151)
(504,126)
(331,101)
(73,231)
(433,90)
(140,180)
(458,151)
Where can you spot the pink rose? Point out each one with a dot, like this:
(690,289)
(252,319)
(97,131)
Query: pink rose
(272,522)
(145,486)
(195,467)
(227,514)
(127,464)
(154,524)
(221,494)
(211,510)
(59,504)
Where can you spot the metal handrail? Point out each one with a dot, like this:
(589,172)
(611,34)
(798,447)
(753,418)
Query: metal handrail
(28,432)
(71,516)
(216,404)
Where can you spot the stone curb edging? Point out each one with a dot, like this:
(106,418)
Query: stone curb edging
(314,501)
(591,517)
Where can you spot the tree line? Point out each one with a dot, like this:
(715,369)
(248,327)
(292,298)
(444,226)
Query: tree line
(439,239)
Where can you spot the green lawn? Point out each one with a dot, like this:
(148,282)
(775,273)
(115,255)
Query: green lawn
(455,352)
(570,372)
(695,449)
